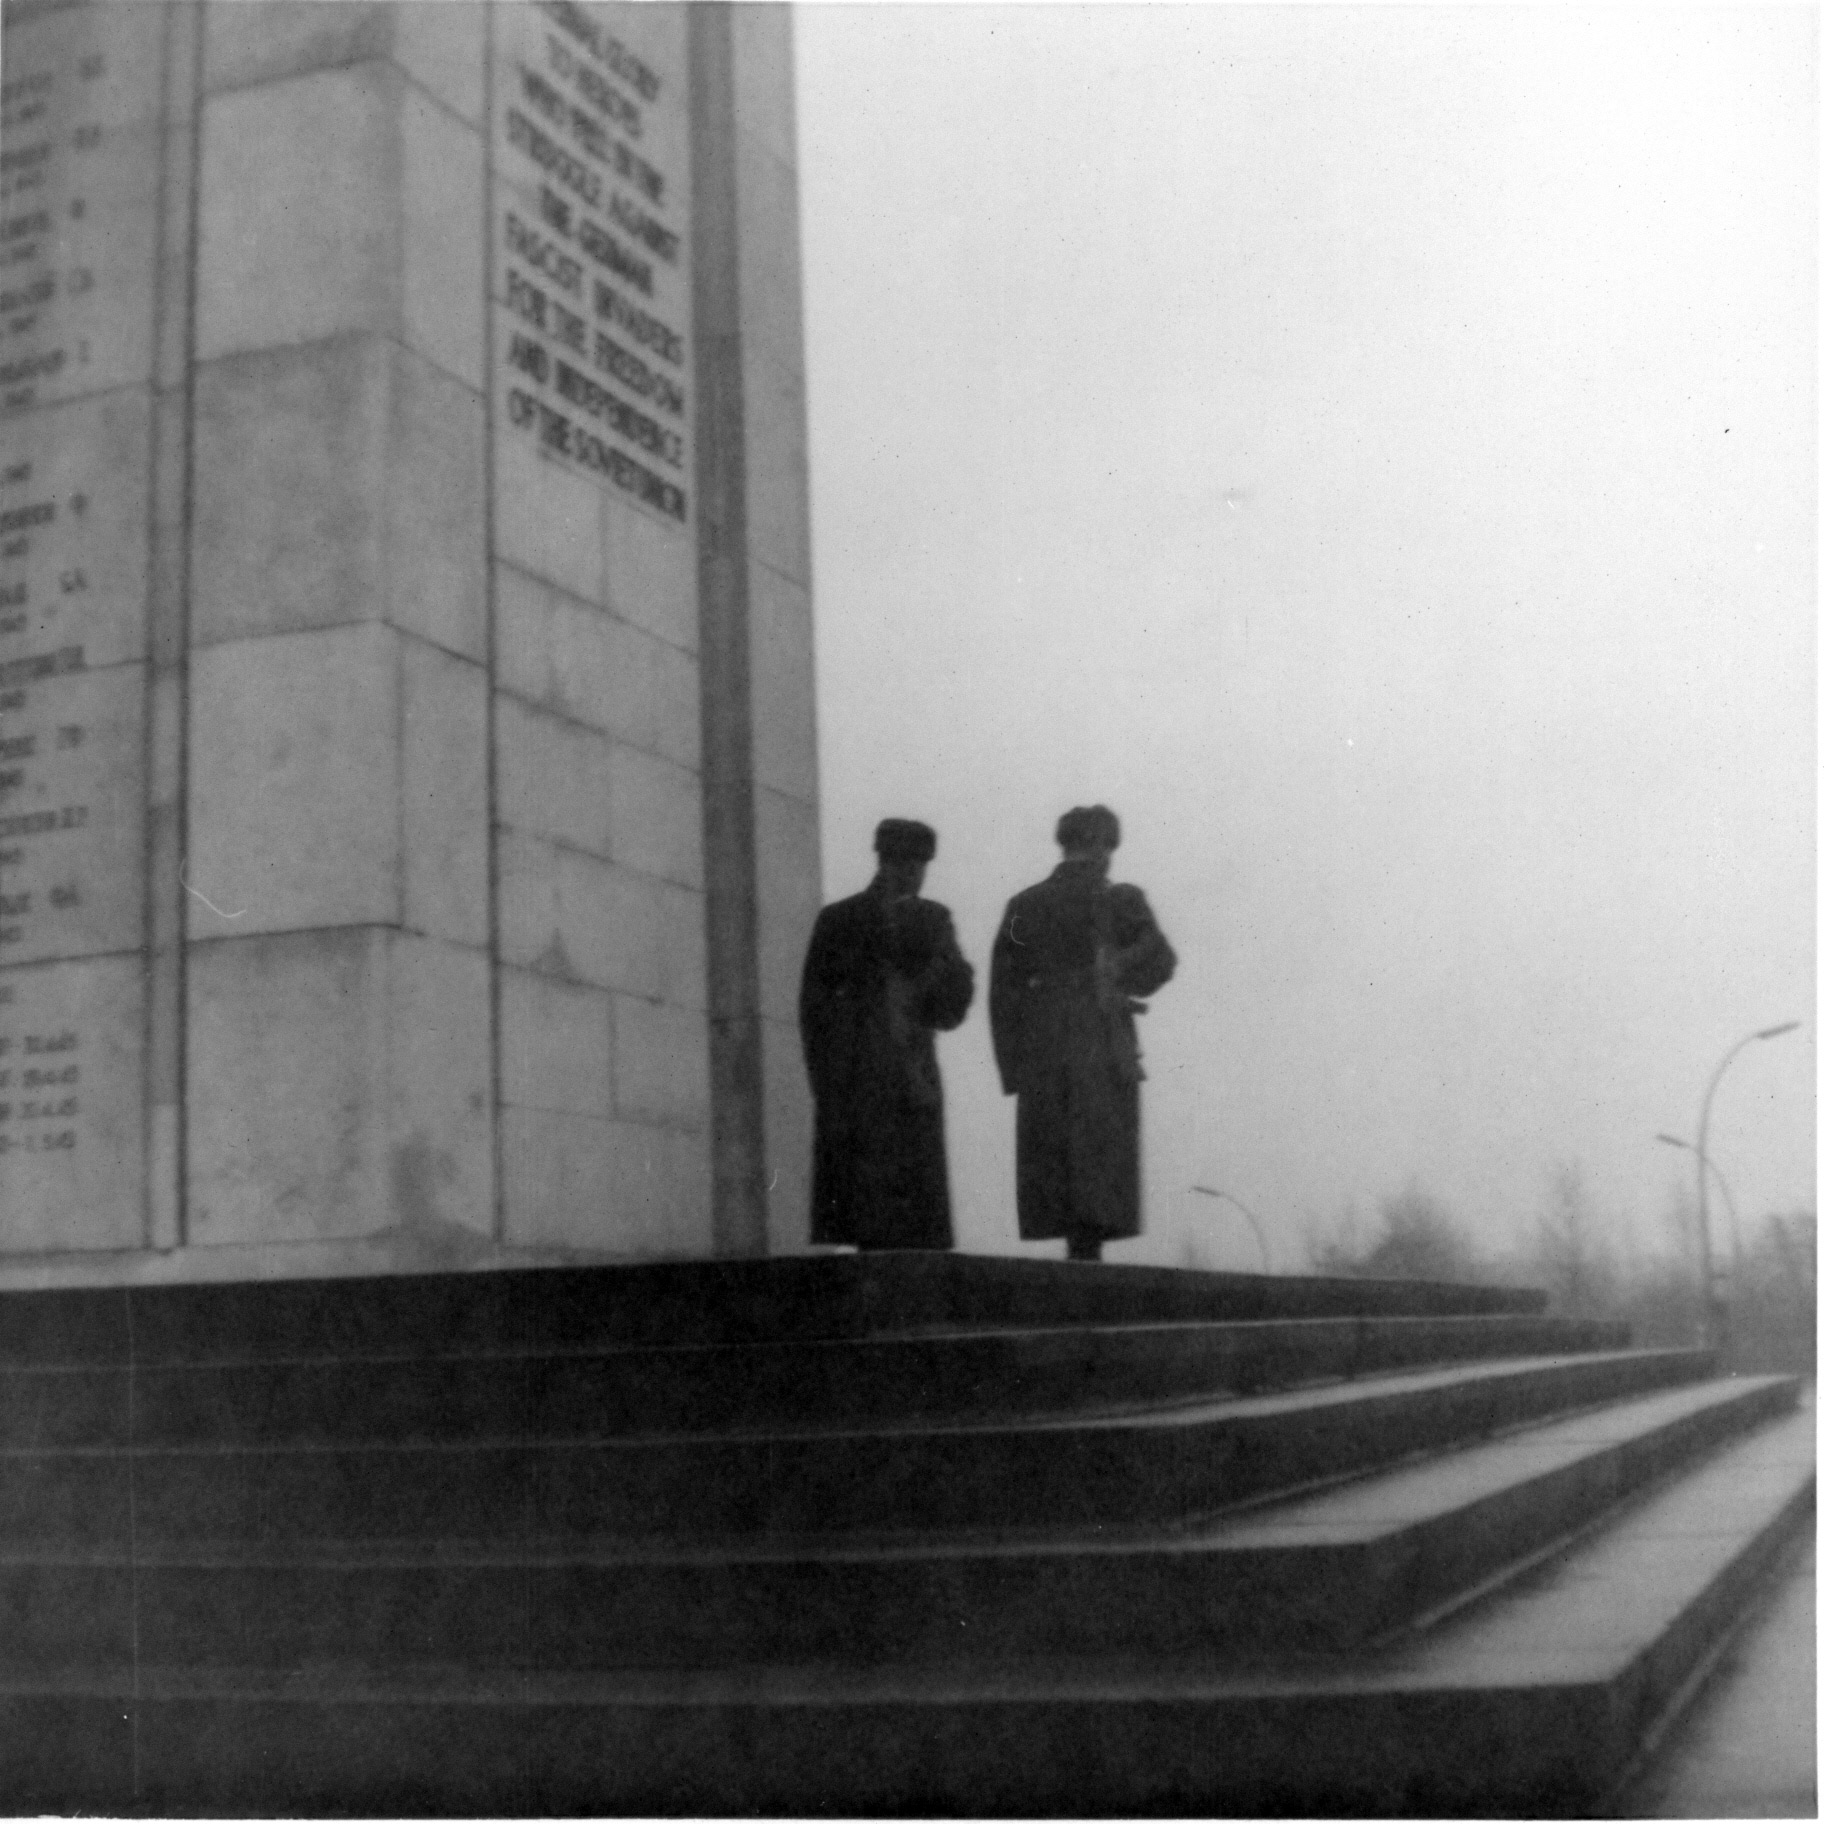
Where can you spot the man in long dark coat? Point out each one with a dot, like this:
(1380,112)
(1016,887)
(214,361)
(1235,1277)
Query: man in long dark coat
(883,974)
(1072,955)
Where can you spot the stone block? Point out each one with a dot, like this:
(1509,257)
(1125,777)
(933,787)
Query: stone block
(292,246)
(294,783)
(111,57)
(570,915)
(772,280)
(76,571)
(661,1062)
(657,816)
(783,684)
(762,42)
(651,574)
(561,654)
(340,481)
(338,1087)
(72,1151)
(442,46)
(778,475)
(443,273)
(436,516)
(615,1187)
(556,1045)
(788,1115)
(788,881)
(437,1073)
(553,777)
(82,268)
(341,195)
(291,481)
(72,815)
(443,794)
(243,45)
(547,520)
(439,44)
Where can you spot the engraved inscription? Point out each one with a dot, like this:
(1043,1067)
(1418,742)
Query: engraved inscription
(591,282)
(71,1143)
(80,156)
(78,202)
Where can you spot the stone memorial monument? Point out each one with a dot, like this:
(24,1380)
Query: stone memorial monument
(408,800)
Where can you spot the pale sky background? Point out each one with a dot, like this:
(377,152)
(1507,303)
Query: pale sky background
(1373,450)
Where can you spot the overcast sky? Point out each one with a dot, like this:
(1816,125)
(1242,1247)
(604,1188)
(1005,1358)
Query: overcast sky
(1373,450)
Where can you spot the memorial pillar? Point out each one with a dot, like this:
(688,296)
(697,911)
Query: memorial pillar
(760,750)
(370,897)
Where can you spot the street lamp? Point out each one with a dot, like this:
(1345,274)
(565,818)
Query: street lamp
(1722,1184)
(1203,1190)
(1710,1324)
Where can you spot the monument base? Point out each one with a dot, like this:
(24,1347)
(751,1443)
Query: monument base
(873,1535)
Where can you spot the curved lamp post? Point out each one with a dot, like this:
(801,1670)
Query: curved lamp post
(1711,1326)
(1203,1190)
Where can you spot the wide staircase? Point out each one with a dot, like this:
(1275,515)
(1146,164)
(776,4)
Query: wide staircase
(906,1534)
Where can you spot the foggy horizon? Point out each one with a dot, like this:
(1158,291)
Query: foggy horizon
(1373,450)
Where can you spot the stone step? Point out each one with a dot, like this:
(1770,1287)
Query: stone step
(673,1303)
(1171,1466)
(1323,1573)
(800,1385)
(1529,1703)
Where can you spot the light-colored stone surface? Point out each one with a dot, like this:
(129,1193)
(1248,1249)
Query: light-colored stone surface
(84,150)
(556,1045)
(338,1086)
(439,44)
(299,223)
(778,472)
(294,783)
(277,38)
(559,653)
(82,318)
(337,778)
(443,274)
(573,916)
(291,471)
(657,816)
(329,571)
(78,578)
(764,107)
(547,520)
(443,794)
(661,1062)
(788,1115)
(72,1170)
(442,46)
(616,1186)
(553,777)
(772,300)
(438,1097)
(651,574)
(592,187)
(106,61)
(72,810)
(790,891)
(436,519)
(340,481)
(782,672)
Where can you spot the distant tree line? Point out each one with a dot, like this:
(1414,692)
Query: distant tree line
(1767,1278)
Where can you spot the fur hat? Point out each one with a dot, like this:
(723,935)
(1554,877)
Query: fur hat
(1089,826)
(904,839)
